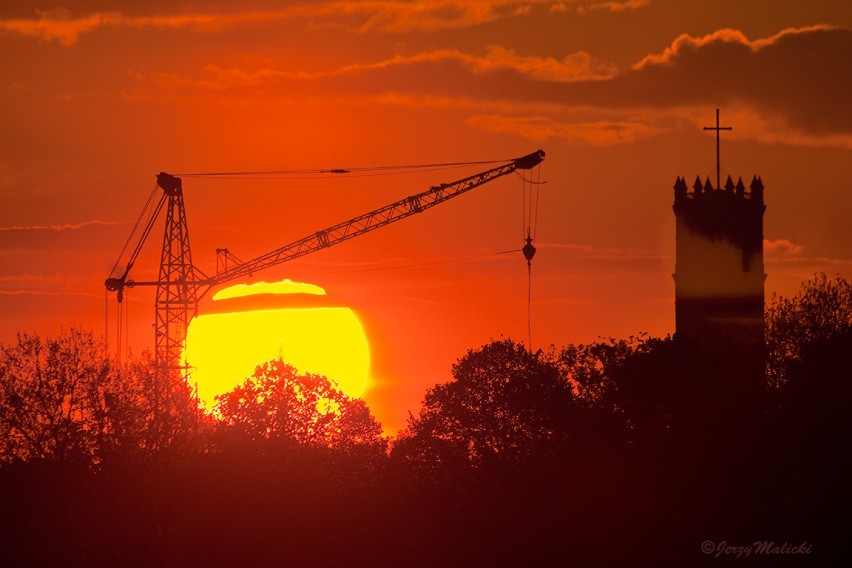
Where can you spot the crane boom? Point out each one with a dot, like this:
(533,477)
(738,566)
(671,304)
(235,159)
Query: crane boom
(180,284)
(375,219)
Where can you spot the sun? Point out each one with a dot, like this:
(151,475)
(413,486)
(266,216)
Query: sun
(223,348)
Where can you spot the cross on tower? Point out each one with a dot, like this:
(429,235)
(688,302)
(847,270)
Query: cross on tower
(718,128)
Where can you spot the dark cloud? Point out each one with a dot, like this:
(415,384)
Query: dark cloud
(798,80)
(794,85)
(802,76)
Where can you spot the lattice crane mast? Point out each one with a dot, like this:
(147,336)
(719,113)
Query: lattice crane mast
(180,284)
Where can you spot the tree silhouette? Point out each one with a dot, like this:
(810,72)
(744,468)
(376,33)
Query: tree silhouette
(589,367)
(46,410)
(821,310)
(672,390)
(504,405)
(278,402)
(60,399)
(658,391)
(810,347)
(617,452)
(149,411)
(809,340)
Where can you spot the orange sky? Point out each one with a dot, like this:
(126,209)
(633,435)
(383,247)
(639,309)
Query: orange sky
(98,99)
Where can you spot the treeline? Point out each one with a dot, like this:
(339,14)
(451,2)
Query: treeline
(623,452)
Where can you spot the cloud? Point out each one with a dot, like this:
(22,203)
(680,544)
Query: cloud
(431,15)
(85,236)
(685,43)
(597,6)
(612,6)
(539,128)
(45,285)
(597,252)
(16,86)
(387,16)
(781,248)
(58,25)
(48,293)
(783,256)
(65,227)
(579,66)
(798,79)
(791,87)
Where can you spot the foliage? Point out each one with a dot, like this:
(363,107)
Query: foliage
(821,310)
(643,388)
(158,410)
(279,402)
(819,387)
(503,405)
(526,456)
(589,367)
(671,389)
(60,399)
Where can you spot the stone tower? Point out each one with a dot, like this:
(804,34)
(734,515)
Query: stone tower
(719,273)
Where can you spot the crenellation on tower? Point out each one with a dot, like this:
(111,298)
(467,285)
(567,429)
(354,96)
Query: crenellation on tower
(731,213)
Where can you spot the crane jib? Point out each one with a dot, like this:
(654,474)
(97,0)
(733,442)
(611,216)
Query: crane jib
(375,219)
(530,161)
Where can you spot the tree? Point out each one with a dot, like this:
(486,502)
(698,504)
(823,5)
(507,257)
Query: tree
(655,390)
(149,410)
(45,411)
(808,340)
(820,311)
(589,367)
(673,390)
(61,399)
(504,405)
(278,402)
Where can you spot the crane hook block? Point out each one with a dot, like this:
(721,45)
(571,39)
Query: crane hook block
(114,284)
(530,161)
(528,250)
(171,185)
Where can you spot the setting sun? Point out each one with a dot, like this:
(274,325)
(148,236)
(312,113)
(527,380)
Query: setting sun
(224,348)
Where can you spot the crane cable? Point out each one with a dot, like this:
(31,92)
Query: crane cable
(118,333)
(106,323)
(375,170)
(530,226)
(119,318)
(127,327)
(142,215)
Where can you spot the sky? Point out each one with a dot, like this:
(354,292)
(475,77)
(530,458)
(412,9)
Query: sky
(99,97)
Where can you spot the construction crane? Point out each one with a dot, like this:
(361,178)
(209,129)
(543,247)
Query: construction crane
(180,284)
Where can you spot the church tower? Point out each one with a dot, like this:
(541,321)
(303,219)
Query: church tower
(719,272)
